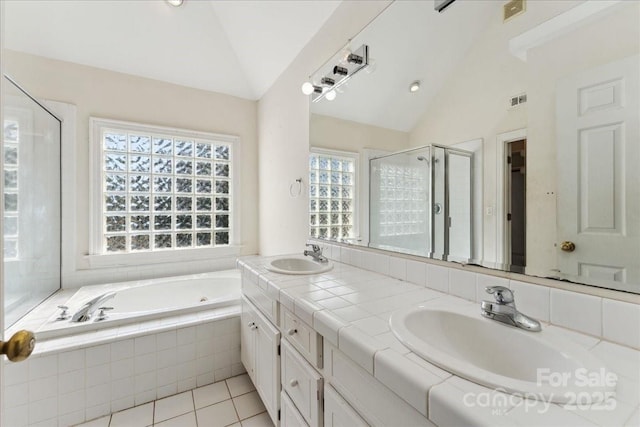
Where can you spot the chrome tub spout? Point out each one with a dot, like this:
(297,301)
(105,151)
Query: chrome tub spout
(87,310)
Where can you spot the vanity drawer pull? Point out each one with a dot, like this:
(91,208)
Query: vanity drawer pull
(293,383)
(292,331)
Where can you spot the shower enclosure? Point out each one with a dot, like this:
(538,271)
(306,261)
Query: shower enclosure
(421,202)
(31,193)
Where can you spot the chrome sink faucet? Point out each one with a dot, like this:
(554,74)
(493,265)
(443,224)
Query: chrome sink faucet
(315,253)
(503,309)
(87,310)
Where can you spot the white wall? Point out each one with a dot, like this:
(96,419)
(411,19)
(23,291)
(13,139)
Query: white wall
(345,135)
(611,38)
(473,103)
(283,117)
(107,94)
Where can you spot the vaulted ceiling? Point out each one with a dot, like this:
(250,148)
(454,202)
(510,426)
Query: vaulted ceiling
(233,47)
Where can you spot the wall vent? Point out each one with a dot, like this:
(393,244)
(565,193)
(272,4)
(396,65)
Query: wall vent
(516,100)
(513,8)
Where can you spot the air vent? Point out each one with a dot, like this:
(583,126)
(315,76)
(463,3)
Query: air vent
(516,100)
(513,8)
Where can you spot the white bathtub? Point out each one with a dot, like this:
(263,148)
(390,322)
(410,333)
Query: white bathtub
(149,299)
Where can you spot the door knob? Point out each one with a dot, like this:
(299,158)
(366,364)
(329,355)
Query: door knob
(568,246)
(19,347)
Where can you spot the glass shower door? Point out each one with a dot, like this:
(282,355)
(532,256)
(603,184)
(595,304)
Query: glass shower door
(399,202)
(31,169)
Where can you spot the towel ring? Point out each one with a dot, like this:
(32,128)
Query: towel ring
(295,189)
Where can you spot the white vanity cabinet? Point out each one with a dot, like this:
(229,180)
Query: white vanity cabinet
(302,384)
(290,415)
(302,336)
(338,413)
(260,342)
(304,380)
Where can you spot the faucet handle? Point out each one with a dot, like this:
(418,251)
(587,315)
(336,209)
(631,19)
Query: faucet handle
(102,315)
(314,247)
(64,314)
(502,294)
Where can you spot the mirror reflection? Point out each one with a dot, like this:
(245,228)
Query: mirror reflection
(505,141)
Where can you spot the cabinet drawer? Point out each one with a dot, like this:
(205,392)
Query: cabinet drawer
(290,415)
(338,413)
(265,304)
(303,385)
(302,336)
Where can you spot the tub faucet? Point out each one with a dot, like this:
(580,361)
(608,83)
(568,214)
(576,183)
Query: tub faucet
(503,309)
(315,253)
(87,310)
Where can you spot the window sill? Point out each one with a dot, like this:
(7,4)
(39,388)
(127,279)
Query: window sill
(163,257)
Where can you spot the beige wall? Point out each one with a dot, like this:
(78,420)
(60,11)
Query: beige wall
(473,103)
(337,134)
(107,94)
(283,117)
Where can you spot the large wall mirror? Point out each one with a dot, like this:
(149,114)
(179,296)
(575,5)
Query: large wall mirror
(531,123)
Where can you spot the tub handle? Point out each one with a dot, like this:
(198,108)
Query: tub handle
(64,314)
(102,315)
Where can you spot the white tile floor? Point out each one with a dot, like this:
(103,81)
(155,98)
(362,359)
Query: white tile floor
(233,402)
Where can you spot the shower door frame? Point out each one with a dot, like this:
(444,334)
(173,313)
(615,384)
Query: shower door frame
(2,61)
(42,104)
(446,256)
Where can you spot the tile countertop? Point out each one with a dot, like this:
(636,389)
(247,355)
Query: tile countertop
(351,307)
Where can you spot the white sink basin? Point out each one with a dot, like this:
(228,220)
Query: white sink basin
(293,265)
(530,364)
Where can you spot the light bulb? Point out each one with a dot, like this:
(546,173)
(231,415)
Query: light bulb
(331,95)
(307,88)
(414,87)
(175,3)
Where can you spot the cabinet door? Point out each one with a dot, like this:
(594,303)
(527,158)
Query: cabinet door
(338,413)
(267,365)
(290,415)
(247,338)
(303,385)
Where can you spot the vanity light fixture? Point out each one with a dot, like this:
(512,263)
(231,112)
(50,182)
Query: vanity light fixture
(414,87)
(327,81)
(336,72)
(340,71)
(176,3)
(308,88)
(355,59)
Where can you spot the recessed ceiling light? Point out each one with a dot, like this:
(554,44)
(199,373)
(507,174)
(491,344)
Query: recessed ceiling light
(414,87)
(175,3)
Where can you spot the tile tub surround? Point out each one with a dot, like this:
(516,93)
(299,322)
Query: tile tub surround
(351,307)
(73,379)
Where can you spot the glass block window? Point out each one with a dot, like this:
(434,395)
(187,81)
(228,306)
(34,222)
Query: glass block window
(332,195)
(164,191)
(10,196)
(403,200)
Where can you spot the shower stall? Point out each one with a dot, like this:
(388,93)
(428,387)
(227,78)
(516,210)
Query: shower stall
(31,196)
(421,202)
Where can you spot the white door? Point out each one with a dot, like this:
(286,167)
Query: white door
(247,338)
(267,366)
(598,142)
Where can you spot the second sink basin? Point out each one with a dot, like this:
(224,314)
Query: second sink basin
(538,365)
(298,265)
